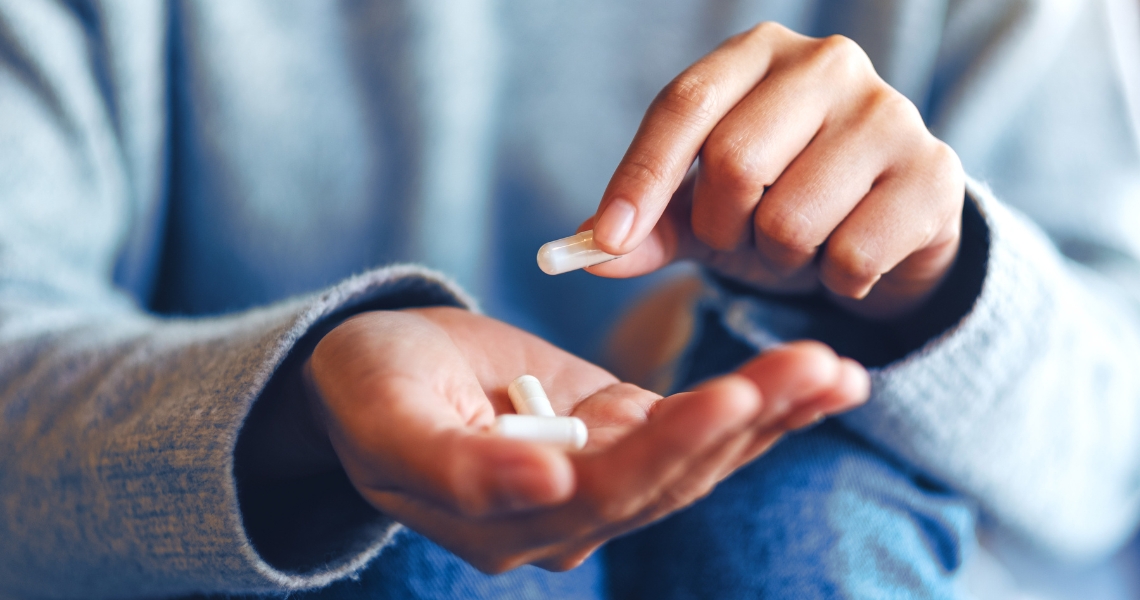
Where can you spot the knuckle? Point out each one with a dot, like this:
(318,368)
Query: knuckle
(853,261)
(950,182)
(645,168)
(936,169)
(947,162)
(893,108)
(691,96)
(949,175)
(767,30)
(787,229)
(733,166)
(840,55)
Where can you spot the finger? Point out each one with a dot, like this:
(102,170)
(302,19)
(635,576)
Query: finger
(617,485)
(752,146)
(613,411)
(570,557)
(659,249)
(791,376)
(673,130)
(802,381)
(670,240)
(822,185)
(479,475)
(702,472)
(619,505)
(914,207)
(851,390)
(719,461)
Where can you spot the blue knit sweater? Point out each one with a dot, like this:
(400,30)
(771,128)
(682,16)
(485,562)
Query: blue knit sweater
(182,186)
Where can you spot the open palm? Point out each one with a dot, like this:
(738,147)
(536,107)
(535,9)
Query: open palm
(408,397)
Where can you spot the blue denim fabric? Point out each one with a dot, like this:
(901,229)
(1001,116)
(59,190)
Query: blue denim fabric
(822,515)
(416,568)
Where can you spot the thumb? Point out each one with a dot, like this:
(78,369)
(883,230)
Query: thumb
(658,250)
(669,240)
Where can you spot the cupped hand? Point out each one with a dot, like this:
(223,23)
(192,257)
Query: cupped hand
(811,171)
(406,398)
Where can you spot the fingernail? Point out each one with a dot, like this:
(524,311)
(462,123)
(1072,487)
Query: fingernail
(613,227)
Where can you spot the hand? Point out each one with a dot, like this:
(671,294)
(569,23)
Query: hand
(406,399)
(812,170)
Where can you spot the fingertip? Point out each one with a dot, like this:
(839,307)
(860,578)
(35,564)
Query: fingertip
(851,389)
(709,410)
(793,375)
(815,349)
(807,362)
(855,382)
(613,227)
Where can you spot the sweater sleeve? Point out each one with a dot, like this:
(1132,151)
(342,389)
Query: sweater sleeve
(1031,403)
(118,428)
(118,433)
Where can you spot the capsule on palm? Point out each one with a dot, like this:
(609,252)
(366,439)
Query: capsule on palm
(565,432)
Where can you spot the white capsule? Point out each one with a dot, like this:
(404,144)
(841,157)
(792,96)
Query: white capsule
(565,432)
(529,398)
(570,253)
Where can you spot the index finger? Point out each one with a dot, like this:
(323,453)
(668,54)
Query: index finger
(672,132)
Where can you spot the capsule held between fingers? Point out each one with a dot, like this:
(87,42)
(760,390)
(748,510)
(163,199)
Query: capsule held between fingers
(571,253)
